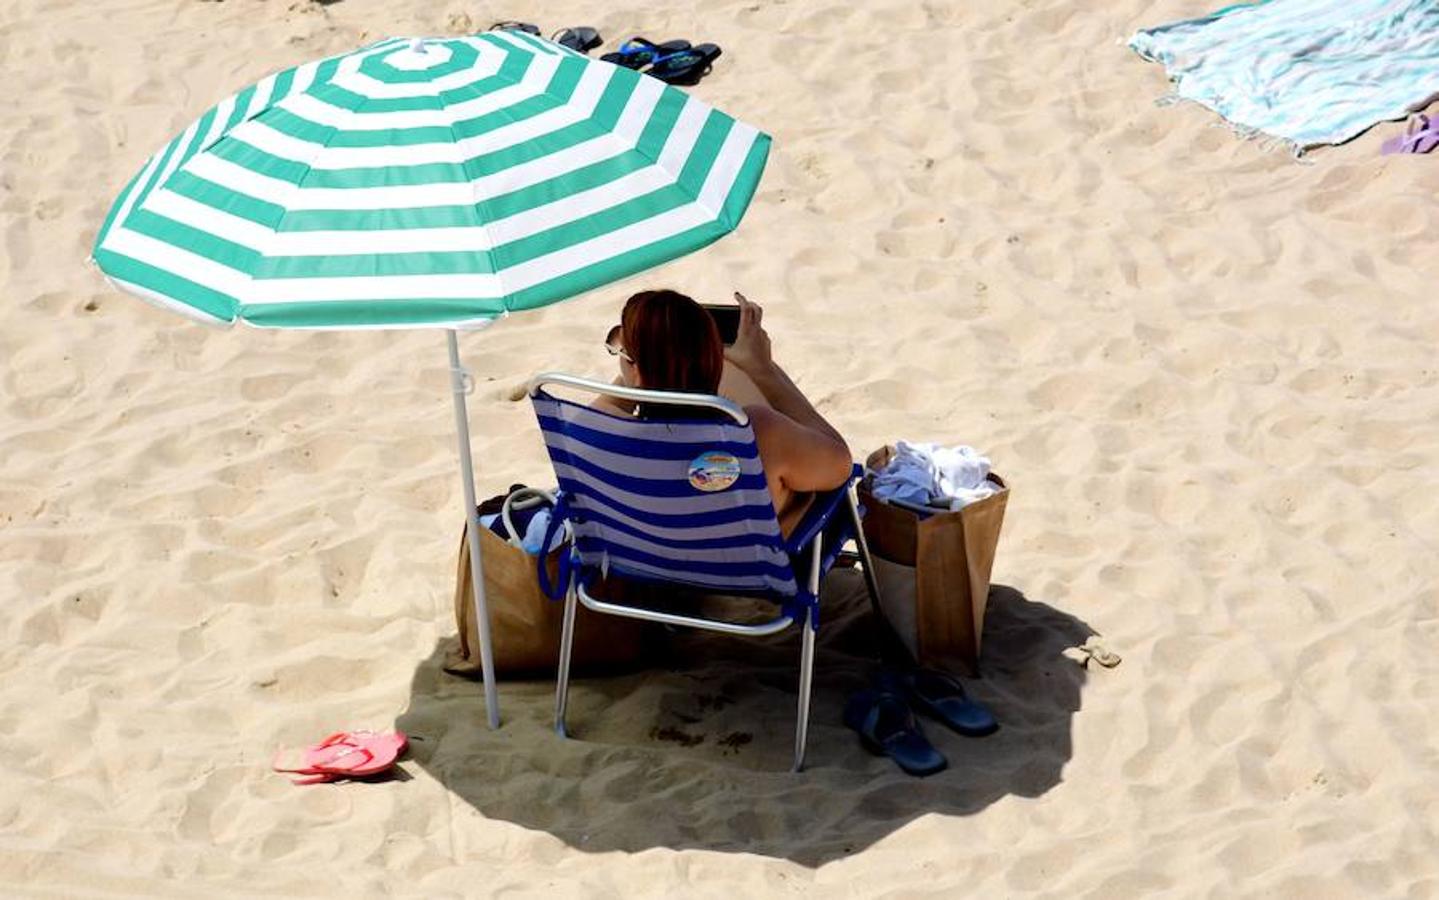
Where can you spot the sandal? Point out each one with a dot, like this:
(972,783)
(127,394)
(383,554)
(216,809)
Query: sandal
(347,754)
(636,53)
(526,27)
(1420,136)
(944,698)
(686,66)
(1093,648)
(580,40)
(887,727)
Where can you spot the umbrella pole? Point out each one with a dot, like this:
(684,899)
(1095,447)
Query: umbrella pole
(459,386)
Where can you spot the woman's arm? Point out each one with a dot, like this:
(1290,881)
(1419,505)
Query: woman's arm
(784,396)
(810,452)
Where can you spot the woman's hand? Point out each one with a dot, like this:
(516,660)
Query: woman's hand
(750,351)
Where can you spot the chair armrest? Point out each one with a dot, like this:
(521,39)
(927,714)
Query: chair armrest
(819,513)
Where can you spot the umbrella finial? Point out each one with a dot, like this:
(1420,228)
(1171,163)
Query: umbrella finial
(417,45)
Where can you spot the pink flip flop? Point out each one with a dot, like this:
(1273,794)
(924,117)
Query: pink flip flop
(347,754)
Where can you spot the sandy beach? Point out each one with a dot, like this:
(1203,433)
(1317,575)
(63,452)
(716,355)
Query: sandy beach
(1208,371)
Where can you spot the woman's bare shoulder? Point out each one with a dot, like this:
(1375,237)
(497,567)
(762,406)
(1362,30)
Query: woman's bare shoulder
(612,405)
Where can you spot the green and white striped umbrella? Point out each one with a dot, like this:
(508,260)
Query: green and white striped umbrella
(436,182)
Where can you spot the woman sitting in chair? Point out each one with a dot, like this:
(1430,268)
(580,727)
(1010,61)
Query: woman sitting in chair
(666,341)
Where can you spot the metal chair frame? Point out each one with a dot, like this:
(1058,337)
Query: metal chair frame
(577,594)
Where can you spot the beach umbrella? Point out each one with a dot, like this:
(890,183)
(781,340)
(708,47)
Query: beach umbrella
(428,183)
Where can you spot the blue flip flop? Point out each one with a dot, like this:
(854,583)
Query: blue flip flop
(938,695)
(636,53)
(887,727)
(686,66)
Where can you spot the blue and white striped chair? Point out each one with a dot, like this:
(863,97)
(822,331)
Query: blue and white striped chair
(685,502)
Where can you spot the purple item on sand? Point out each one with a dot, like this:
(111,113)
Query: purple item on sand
(1420,139)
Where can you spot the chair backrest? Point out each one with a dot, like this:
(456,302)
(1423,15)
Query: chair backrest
(676,500)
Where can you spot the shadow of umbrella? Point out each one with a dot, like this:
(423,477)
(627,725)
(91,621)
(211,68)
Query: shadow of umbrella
(694,754)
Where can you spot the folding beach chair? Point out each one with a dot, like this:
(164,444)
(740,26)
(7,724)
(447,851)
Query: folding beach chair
(684,502)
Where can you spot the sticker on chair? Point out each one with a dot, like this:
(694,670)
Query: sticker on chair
(714,471)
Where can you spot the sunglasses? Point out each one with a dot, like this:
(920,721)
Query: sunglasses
(615,346)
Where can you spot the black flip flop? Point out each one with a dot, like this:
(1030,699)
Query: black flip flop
(526,27)
(686,66)
(887,728)
(943,697)
(580,40)
(636,53)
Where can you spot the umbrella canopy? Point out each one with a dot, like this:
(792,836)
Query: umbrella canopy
(427,182)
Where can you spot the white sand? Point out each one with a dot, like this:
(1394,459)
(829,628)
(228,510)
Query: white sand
(1209,373)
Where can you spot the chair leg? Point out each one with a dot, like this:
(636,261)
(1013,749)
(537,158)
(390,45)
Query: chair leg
(865,560)
(891,649)
(806,678)
(567,640)
(806,658)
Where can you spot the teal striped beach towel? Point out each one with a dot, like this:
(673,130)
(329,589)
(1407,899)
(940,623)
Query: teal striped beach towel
(1309,72)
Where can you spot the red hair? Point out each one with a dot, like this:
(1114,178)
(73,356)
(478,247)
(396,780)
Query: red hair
(674,343)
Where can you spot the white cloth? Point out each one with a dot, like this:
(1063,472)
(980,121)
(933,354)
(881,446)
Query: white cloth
(535,533)
(928,474)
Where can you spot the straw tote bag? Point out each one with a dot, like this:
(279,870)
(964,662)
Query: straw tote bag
(524,623)
(934,571)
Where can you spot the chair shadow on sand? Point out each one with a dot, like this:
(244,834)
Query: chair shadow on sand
(694,752)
